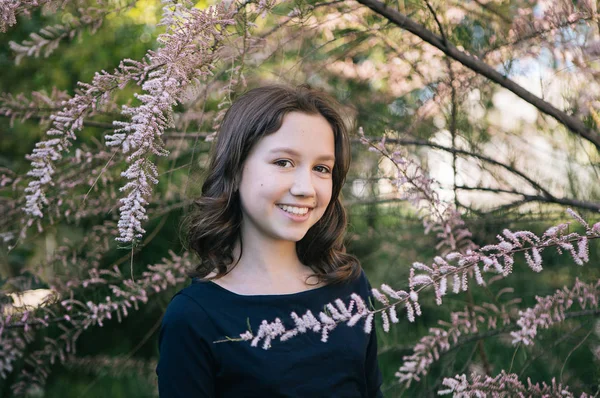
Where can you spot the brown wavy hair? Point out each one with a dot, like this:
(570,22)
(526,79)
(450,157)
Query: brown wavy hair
(213,226)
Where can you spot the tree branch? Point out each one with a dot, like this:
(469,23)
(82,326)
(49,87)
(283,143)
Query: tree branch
(486,159)
(536,198)
(480,67)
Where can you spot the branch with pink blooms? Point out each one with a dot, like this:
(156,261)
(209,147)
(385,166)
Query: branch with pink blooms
(49,38)
(418,189)
(9,9)
(189,53)
(74,317)
(465,325)
(504,385)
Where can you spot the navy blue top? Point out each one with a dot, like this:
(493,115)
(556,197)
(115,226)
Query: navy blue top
(192,365)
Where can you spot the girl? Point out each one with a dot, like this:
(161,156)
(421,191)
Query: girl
(269,232)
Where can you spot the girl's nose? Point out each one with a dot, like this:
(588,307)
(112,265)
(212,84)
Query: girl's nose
(303,185)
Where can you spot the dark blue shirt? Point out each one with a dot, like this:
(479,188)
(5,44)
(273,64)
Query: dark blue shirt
(191,364)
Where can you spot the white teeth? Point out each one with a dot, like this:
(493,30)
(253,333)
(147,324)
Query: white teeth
(295,210)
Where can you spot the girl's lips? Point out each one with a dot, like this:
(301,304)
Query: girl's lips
(296,217)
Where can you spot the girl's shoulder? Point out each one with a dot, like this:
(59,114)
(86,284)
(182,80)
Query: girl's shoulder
(186,312)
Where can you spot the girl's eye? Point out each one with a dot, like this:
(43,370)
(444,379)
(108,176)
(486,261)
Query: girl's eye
(282,162)
(324,170)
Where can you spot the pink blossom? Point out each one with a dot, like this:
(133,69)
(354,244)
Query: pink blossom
(503,385)
(553,309)
(170,69)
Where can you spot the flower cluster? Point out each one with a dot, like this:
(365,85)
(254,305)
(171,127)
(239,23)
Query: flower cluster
(49,38)
(65,123)
(553,309)
(12,347)
(337,313)
(9,9)
(46,41)
(549,311)
(503,385)
(127,294)
(498,258)
(443,338)
(188,53)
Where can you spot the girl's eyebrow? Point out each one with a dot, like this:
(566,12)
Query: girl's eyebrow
(294,153)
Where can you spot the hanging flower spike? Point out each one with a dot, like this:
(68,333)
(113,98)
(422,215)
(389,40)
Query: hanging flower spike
(552,309)
(503,385)
(170,70)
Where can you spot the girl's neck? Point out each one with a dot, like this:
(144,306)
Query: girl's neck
(268,269)
(269,260)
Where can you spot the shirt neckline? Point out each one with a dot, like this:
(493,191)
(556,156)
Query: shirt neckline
(257,296)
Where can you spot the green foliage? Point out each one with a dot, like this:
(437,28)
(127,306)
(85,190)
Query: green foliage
(386,237)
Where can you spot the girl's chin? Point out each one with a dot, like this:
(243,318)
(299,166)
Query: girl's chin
(290,234)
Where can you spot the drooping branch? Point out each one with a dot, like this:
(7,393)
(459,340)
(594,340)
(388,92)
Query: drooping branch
(9,9)
(470,326)
(480,67)
(503,385)
(65,124)
(552,309)
(545,196)
(463,327)
(181,63)
(443,218)
(48,38)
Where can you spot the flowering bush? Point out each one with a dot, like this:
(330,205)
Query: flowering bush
(436,84)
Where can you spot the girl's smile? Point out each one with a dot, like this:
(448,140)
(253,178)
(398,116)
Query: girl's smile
(298,214)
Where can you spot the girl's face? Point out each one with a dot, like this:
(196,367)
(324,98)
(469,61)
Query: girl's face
(286,179)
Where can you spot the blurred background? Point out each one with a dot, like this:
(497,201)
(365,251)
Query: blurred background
(502,162)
